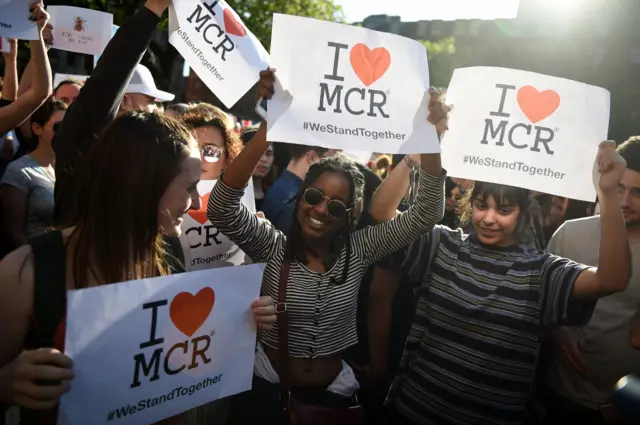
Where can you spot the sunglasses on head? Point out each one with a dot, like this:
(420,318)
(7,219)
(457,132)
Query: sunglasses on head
(335,208)
(211,153)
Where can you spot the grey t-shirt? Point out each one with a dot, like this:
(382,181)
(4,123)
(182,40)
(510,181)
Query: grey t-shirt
(604,341)
(28,176)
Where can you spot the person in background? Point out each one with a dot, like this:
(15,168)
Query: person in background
(67,91)
(263,175)
(277,205)
(383,164)
(26,188)
(218,144)
(591,359)
(142,94)
(176,110)
(453,194)
(15,113)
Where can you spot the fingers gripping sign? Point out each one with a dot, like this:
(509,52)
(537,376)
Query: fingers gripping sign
(608,168)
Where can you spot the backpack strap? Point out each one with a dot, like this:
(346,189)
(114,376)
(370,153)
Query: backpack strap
(50,286)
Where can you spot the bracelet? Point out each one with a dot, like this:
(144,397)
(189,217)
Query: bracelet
(410,162)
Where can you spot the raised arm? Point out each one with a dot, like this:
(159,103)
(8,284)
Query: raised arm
(99,101)
(390,193)
(10,82)
(614,259)
(427,210)
(13,115)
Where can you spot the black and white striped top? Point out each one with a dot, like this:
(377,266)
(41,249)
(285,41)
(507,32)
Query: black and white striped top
(322,314)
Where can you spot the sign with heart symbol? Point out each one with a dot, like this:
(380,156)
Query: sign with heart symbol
(369,65)
(200,215)
(218,47)
(348,88)
(232,25)
(188,312)
(525,129)
(537,105)
(164,345)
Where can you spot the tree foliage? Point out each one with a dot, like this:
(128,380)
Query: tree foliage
(440,54)
(256,14)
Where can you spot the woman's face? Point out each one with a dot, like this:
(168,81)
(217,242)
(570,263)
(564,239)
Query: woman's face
(264,166)
(180,196)
(213,157)
(494,224)
(45,134)
(316,222)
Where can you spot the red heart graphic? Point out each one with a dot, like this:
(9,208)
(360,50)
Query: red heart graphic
(232,25)
(188,312)
(201,215)
(369,65)
(537,105)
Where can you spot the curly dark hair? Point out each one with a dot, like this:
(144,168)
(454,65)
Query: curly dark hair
(335,164)
(206,115)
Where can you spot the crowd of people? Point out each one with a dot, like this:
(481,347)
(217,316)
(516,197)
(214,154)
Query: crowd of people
(405,295)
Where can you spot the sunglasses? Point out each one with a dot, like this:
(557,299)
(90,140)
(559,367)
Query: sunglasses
(335,208)
(211,153)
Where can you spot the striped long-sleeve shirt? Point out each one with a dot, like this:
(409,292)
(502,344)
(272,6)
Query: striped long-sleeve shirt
(322,313)
(472,351)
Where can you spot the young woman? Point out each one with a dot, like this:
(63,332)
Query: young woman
(486,299)
(26,188)
(327,262)
(141,179)
(219,145)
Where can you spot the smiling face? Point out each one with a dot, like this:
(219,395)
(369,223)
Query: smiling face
(496,212)
(180,196)
(316,222)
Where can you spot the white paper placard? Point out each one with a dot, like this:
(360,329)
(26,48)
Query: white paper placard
(358,156)
(96,58)
(194,333)
(80,30)
(14,20)
(203,245)
(211,37)
(525,129)
(349,88)
(58,78)
(4,45)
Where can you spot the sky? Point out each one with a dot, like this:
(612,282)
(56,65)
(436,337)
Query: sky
(357,10)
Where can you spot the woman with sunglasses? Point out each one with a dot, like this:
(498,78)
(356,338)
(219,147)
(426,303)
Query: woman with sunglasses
(327,261)
(218,144)
(26,188)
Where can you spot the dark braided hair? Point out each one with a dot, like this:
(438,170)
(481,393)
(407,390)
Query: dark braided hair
(335,164)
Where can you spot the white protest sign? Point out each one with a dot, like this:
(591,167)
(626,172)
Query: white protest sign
(96,58)
(350,88)
(4,45)
(203,245)
(211,37)
(358,156)
(150,349)
(525,129)
(80,30)
(15,22)
(58,78)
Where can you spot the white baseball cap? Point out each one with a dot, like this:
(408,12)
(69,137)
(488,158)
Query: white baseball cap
(142,82)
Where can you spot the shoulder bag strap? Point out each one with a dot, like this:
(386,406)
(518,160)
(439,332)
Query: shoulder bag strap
(283,338)
(50,285)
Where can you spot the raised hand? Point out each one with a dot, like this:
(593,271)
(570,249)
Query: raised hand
(39,15)
(266,84)
(438,111)
(611,167)
(12,55)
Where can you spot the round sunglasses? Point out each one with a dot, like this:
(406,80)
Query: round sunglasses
(211,153)
(335,208)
